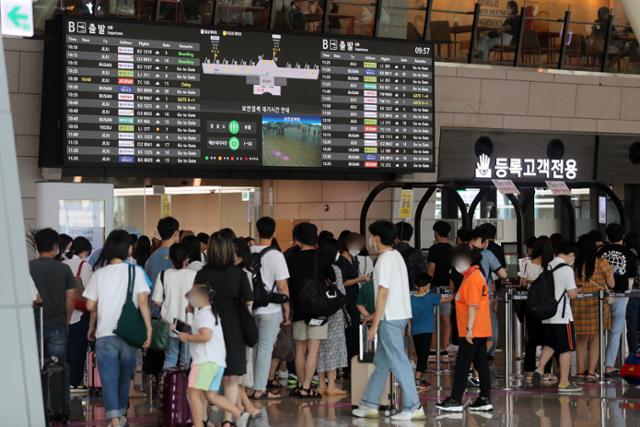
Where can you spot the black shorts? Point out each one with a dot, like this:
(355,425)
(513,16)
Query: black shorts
(561,338)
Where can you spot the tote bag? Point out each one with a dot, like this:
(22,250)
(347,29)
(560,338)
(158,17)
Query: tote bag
(131,327)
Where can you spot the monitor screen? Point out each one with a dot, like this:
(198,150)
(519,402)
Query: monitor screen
(149,95)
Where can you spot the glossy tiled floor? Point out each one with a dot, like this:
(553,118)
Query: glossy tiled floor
(611,404)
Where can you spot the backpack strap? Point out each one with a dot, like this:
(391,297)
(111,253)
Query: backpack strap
(258,264)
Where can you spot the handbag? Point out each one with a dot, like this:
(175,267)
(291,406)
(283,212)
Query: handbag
(131,327)
(248,325)
(160,328)
(80,302)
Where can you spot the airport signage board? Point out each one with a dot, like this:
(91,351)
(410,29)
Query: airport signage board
(16,18)
(520,156)
(142,95)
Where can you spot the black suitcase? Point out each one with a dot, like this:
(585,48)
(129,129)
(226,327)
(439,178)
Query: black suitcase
(56,391)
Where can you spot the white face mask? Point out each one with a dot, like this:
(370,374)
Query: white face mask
(354,252)
(461,266)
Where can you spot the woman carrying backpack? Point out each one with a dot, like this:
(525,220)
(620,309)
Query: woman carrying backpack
(592,275)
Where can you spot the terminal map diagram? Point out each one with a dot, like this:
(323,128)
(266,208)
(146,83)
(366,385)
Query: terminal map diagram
(264,74)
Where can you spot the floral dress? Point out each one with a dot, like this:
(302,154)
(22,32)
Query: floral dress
(333,350)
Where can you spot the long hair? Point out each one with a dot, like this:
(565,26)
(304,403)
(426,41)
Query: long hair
(328,251)
(586,258)
(192,245)
(142,251)
(220,253)
(115,247)
(543,248)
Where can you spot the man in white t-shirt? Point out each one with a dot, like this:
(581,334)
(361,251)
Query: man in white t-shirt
(274,273)
(393,311)
(559,333)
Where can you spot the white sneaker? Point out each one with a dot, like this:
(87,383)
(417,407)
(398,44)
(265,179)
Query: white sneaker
(410,415)
(364,412)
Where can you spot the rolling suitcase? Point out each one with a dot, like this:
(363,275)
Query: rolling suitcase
(56,387)
(93,376)
(173,405)
(362,367)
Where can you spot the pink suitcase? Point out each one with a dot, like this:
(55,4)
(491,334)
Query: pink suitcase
(93,376)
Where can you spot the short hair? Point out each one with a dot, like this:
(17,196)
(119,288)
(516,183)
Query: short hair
(615,232)
(567,247)
(404,231)
(343,235)
(80,244)
(531,242)
(385,230)
(167,227)
(443,228)
(463,234)
(178,255)
(478,233)
(221,253)
(266,227)
(46,239)
(325,234)
(491,230)
(203,238)
(422,279)
(307,234)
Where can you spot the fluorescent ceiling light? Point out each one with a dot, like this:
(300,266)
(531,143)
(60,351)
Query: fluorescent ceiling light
(177,191)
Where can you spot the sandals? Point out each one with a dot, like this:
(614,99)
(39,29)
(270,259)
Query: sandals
(591,377)
(307,393)
(274,384)
(267,395)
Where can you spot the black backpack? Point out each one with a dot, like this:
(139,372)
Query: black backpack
(321,299)
(541,302)
(261,297)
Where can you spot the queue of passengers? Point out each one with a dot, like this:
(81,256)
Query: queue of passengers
(207,281)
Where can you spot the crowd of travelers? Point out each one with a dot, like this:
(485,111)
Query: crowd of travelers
(248,318)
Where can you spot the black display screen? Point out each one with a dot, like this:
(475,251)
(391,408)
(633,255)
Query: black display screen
(149,95)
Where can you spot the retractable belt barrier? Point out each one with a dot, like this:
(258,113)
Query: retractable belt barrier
(515,293)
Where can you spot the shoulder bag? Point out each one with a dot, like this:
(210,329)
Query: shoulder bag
(160,334)
(80,302)
(247,322)
(131,327)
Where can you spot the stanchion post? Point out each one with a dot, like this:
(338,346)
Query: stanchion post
(601,333)
(508,338)
(438,380)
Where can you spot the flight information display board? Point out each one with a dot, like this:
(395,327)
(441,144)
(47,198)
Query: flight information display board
(152,95)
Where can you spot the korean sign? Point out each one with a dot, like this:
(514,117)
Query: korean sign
(515,167)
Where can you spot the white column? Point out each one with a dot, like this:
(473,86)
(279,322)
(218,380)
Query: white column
(20,391)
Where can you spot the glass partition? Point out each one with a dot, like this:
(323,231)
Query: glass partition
(402,19)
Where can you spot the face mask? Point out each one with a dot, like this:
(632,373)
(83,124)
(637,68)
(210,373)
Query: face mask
(354,252)
(462,266)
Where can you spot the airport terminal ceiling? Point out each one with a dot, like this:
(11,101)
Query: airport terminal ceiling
(184,100)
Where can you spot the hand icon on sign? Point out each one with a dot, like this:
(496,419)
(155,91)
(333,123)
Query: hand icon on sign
(483,166)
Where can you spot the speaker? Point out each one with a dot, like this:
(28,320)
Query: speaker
(484,145)
(634,153)
(555,149)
